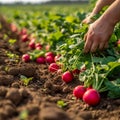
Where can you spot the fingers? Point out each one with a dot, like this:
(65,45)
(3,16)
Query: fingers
(101,46)
(85,37)
(94,46)
(84,21)
(88,44)
(106,45)
(92,43)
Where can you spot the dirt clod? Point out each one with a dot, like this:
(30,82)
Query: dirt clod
(53,113)
(14,95)
(6,79)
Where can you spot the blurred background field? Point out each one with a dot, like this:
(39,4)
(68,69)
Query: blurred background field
(51,6)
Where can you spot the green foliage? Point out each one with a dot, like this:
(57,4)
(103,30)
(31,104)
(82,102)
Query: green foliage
(11,41)
(12,56)
(23,115)
(25,80)
(114,88)
(35,54)
(61,103)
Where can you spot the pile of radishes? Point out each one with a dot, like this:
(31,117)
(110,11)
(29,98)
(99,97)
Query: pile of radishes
(88,95)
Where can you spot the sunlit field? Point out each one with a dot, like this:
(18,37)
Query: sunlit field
(44,73)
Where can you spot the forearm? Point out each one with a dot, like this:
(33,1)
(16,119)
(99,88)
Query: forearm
(112,14)
(100,4)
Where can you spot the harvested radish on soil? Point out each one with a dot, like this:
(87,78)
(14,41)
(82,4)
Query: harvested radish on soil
(79,91)
(91,97)
(67,76)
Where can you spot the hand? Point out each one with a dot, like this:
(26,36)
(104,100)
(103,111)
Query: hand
(88,20)
(98,36)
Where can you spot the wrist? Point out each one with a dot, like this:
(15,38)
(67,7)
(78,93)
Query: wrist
(108,20)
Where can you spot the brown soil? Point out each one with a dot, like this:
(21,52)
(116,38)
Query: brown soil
(39,99)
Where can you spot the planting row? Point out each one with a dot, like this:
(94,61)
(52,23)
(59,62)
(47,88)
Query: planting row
(64,35)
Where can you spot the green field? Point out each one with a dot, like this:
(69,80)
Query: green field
(71,8)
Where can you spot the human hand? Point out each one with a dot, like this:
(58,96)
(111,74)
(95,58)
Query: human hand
(98,36)
(88,20)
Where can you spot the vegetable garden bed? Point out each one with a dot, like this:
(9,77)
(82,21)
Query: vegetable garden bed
(30,89)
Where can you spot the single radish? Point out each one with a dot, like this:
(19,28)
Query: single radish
(53,67)
(38,46)
(118,43)
(91,97)
(76,71)
(47,47)
(24,38)
(79,91)
(50,59)
(32,44)
(13,27)
(49,54)
(40,60)
(23,31)
(26,58)
(67,76)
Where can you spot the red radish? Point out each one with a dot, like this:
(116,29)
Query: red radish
(47,47)
(91,97)
(118,43)
(57,57)
(50,59)
(49,54)
(53,67)
(40,60)
(76,71)
(24,38)
(38,46)
(23,31)
(67,76)
(26,58)
(79,91)
(13,27)
(32,44)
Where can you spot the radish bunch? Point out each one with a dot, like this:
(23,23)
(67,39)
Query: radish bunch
(89,96)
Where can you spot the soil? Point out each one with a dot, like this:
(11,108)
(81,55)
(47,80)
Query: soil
(38,100)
